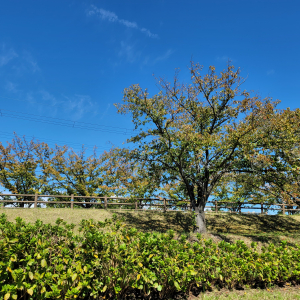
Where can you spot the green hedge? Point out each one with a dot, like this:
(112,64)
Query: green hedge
(43,261)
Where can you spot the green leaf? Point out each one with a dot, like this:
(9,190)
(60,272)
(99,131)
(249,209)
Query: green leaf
(159,288)
(74,276)
(177,285)
(30,291)
(30,274)
(43,263)
(13,241)
(6,296)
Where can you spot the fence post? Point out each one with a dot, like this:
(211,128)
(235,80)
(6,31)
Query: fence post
(165,205)
(72,200)
(283,208)
(35,200)
(261,208)
(105,202)
(216,206)
(240,210)
(136,205)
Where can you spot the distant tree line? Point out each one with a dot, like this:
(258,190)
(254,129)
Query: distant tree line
(31,166)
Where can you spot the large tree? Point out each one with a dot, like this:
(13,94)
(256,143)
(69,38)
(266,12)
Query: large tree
(196,133)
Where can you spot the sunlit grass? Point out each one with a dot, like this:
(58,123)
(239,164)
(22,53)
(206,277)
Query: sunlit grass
(285,293)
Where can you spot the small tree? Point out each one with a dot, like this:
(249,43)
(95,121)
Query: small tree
(74,173)
(196,133)
(275,160)
(24,168)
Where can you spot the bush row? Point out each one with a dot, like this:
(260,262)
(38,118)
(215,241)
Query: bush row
(108,260)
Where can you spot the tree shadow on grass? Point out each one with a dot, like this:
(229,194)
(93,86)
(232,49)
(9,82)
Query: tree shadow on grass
(250,224)
(158,221)
(263,229)
(257,228)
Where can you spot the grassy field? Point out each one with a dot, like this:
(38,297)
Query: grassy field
(263,229)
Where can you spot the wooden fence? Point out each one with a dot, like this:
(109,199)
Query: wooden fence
(141,204)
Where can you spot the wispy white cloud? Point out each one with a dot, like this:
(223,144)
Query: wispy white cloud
(25,64)
(224,58)
(104,113)
(165,56)
(24,61)
(11,87)
(31,62)
(129,52)
(148,60)
(76,106)
(47,98)
(79,106)
(112,17)
(6,55)
(19,63)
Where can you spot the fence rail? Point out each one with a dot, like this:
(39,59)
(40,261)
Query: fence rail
(147,203)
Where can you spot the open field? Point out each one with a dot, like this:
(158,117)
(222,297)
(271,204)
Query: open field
(263,229)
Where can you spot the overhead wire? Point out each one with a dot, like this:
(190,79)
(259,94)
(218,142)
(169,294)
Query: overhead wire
(54,106)
(64,122)
(11,135)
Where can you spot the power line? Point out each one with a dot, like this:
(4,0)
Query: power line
(7,134)
(64,122)
(39,103)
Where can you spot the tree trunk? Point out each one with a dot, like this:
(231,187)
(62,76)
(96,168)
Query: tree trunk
(200,226)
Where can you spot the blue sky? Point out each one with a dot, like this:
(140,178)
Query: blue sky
(71,60)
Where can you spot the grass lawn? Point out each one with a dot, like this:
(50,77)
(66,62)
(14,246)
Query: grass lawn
(286,293)
(263,229)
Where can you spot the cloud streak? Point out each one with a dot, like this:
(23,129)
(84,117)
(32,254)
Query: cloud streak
(165,56)
(79,106)
(6,55)
(31,62)
(109,16)
(19,63)
(129,52)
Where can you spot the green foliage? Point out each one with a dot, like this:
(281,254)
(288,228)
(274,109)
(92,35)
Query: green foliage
(29,167)
(43,261)
(194,135)
(75,173)
(21,161)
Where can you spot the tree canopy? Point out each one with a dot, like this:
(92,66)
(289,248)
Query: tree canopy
(197,133)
